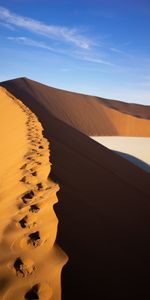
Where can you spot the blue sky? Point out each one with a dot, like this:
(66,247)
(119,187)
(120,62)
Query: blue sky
(98,47)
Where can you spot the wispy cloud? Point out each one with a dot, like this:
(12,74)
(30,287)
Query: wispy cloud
(116,50)
(120,52)
(84,49)
(29,42)
(65,34)
(78,56)
(8,26)
(97,60)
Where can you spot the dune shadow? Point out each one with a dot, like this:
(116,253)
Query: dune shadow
(136,161)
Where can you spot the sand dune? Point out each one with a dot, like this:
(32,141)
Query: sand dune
(137,110)
(91,115)
(104,200)
(30,261)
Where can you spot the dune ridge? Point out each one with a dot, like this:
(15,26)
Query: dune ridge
(31,262)
(91,115)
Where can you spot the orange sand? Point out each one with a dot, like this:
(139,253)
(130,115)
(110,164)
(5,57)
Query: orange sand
(30,261)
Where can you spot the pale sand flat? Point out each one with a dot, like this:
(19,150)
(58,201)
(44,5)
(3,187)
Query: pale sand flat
(135,149)
(30,261)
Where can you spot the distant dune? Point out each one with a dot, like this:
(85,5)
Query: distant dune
(30,262)
(91,115)
(104,200)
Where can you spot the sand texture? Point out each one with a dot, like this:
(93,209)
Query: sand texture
(30,261)
(104,200)
(91,115)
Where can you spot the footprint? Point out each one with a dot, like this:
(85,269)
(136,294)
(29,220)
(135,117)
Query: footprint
(32,294)
(34,239)
(28,196)
(39,186)
(34,173)
(34,208)
(38,162)
(29,158)
(39,291)
(23,222)
(23,269)
(23,167)
(33,150)
(24,179)
(18,266)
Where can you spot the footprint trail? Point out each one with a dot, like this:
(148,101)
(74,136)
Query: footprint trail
(31,262)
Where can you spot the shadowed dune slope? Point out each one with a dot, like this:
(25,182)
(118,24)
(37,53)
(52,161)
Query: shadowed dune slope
(91,115)
(30,261)
(103,211)
(136,149)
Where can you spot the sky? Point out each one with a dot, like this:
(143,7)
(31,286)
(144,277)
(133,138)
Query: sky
(96,47)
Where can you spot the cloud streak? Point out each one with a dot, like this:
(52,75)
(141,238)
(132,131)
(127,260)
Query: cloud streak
(29,42)
(8,26)
(117,50)
(120,52)
(79,56)
(83,48)
(97,61)
(65,34)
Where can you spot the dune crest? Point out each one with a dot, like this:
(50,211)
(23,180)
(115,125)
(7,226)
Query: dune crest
(30,261)
(90,115)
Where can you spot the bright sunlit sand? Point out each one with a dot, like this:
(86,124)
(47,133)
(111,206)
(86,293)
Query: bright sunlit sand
(30,261)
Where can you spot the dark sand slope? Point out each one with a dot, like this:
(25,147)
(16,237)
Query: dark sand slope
(103,211)
(86,113)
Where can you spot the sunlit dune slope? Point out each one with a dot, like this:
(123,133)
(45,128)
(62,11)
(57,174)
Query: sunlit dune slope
(30,262)
(104,203)
(91,115)
(137,110)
